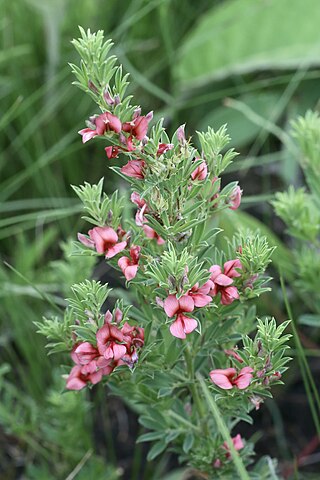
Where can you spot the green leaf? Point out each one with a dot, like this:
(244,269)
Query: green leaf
(240,128)
(188,442)
(157,448)
(310,319)
(242,36)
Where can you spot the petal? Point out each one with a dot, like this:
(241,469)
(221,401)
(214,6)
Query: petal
(171,305)
(85,240)
(201,300)
(95,377)
(237,442)
(243,381)
(135,253)
(160,240)
(186,303)
(190,324)
(221,381)
(87,134)
(223,280)
(118,351)
(229,268)
(215,271)
(107,233)
(123,263)
(228,295)
(205,288)
(103,335)
(118,247)
(108,317)
(74,382)
(245,370)
(131,272)
(149,232)
(113,122)
(116,333)
(177,329)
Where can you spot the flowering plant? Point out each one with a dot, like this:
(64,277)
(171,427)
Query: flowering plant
(183,352)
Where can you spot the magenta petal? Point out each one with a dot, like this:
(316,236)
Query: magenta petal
(190,324)
(201,300)
(228,295)
(243,381)
(95,377)
(171,305)
(245,370)
(221,381)
(75,384)
(177,330)
(87,134)
(119,351)
(229,268)
(186,303)
(223,280)
(215,271)
(117,248)
(237,442)
(85,240)
(107,233)
(123,263)
(131,272)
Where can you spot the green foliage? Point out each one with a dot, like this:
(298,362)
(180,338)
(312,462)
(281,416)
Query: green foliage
(177,273)
(88,298)
(228,51)
(101,209)
(97,70)
(212,143)
(42,429)
(298,210)
(253,251)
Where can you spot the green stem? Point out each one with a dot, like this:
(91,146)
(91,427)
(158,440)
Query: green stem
(222,427)
(193,387)
(308,381)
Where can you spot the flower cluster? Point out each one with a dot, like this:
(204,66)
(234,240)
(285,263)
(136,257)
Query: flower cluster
(114,346)
(197,296)
(176,189)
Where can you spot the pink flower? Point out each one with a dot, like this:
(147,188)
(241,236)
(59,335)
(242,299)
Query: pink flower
(181,136)
(150,233)
(77,379)
(200,295)
(103,123)
(138,127)
(112,152)
(222,281)
(234,354)
(130,267)
(164,147)
(182,324)
(87,134)
(134,168)
(107,122)
(104,240)
(235,198)
(109,339)
(227,378)
(134,337)
(84,353)
(237,443)
(143,208)
(201,172)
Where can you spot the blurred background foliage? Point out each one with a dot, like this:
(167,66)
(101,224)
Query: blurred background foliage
(253,64)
